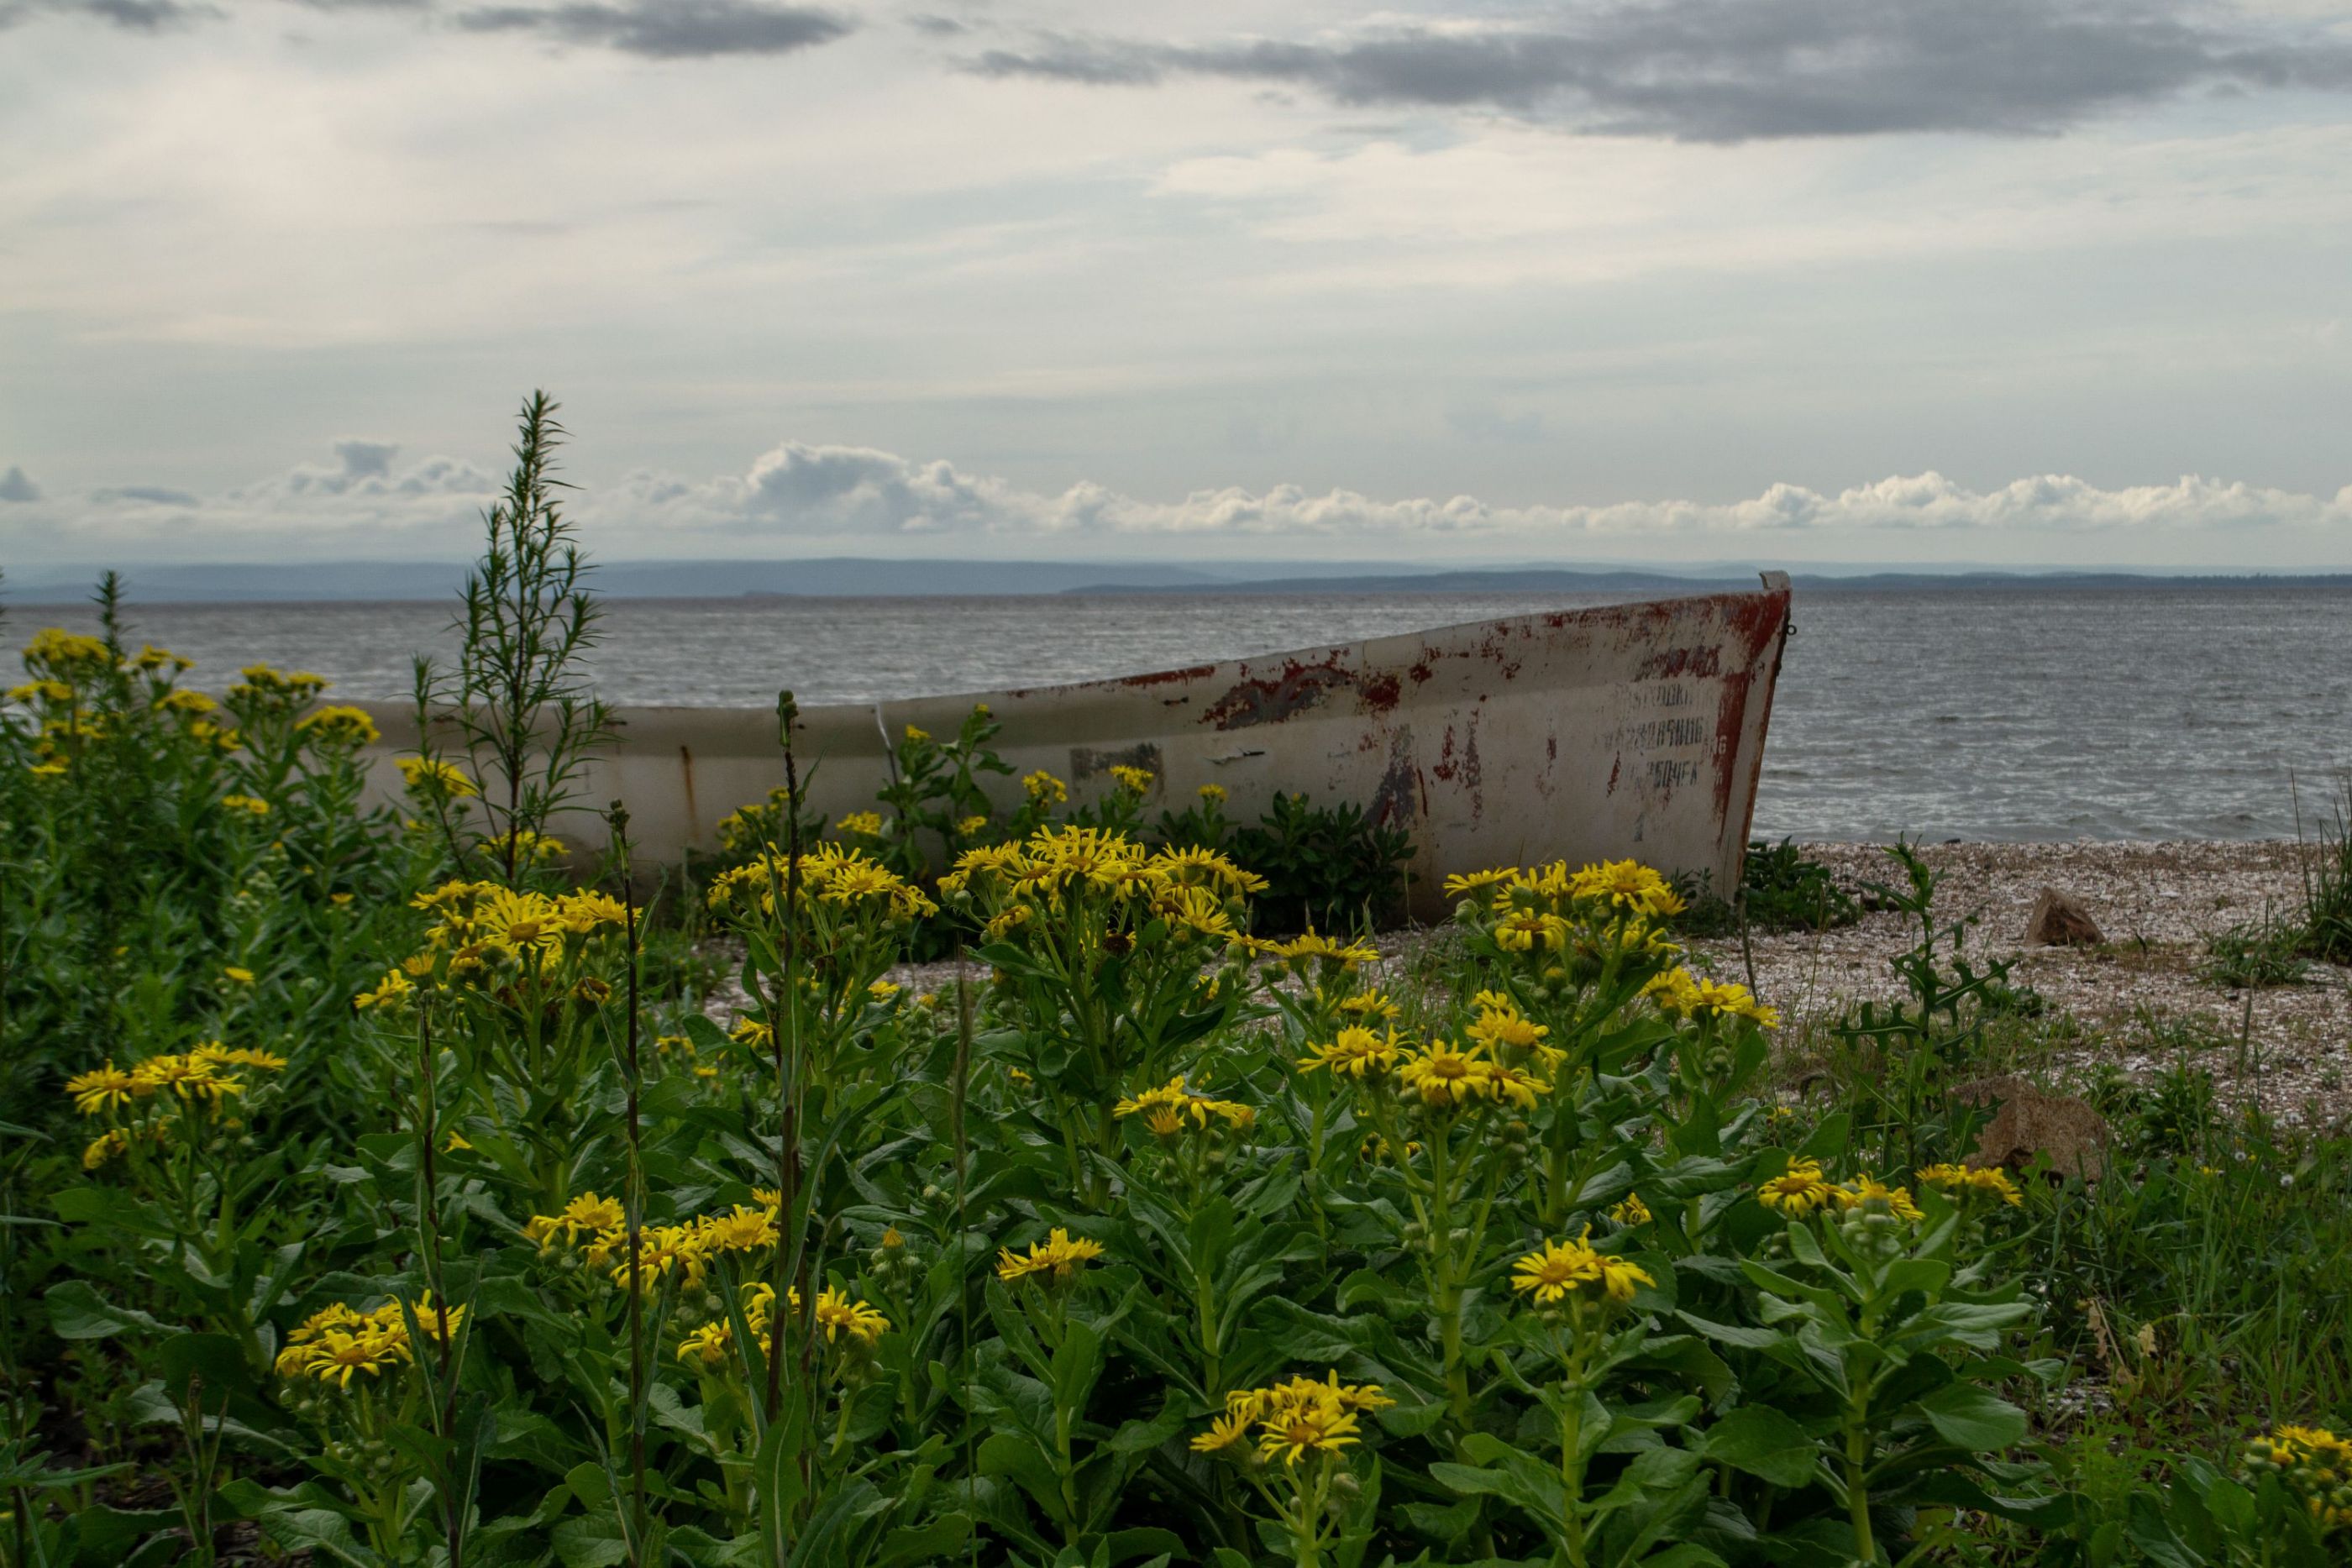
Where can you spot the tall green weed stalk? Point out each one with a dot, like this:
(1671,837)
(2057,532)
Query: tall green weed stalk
(518,702)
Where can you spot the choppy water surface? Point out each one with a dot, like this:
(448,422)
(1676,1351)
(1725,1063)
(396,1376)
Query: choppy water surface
(1981,714)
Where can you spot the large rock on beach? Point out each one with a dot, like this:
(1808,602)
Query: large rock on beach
(2032,1124)
(2059,920)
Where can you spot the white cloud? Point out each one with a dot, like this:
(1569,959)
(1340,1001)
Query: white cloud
(799,491)
(802,499)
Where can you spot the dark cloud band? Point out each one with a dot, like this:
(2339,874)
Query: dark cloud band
(1734,70)
(669,29)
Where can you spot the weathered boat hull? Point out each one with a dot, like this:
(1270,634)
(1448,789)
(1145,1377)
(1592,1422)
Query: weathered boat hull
(1626,730)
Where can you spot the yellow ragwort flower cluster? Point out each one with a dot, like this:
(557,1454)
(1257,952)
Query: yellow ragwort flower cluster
(843,1320)
(1802,1190)
(1295,1419)
(2314,1465)
(1054,1260)
(689,1251)
(1198,893)
(1558,1271)
(1355,1053)
(832,875)
(433,779)
(1443,1075)
(1548,908)
(339,725)
(486,934)
(147,1093)
(1963,1182)
(1678,993)
(1172,1108)
(339,1343)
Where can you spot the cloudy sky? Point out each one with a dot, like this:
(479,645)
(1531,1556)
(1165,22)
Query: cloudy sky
(1988,280)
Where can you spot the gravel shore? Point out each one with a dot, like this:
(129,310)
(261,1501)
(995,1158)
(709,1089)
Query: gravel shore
(2138,996)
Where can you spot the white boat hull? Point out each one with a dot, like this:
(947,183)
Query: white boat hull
(1626,730)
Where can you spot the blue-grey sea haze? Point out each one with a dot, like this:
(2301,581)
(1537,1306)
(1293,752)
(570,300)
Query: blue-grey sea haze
(2016,712)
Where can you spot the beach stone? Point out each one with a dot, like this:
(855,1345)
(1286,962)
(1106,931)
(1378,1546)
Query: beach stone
(2031,1122)
(2059,920)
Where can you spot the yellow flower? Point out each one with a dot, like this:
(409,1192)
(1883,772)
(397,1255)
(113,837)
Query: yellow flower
(862,824)
(435,779)
(1356,1052)
(1682,994)
(221,1055)
(1632,1212)
(1626,885)
(103,1089)
(1960,1181)
(1135,780)
(1205,868)
(1057,1255)
(1223,1433)
(1443,1075)
(338,1355)
(106,1147)
(1866,1188)
(1675,993)
(1798,1190)
(1530,931)
(837,1315)
(340,725)
(587,1215)
(1465,883)
(1179,1102)
(190,1078)
(1508,1033)
(1300,950)
(914,734)
(741,1231)
(393,991)
(1211,794)
(249,804)
(1369,1005)
(1559,1268)
(971,826)
(1043,789)
(1295,1431)
(708,1345)
(239,974)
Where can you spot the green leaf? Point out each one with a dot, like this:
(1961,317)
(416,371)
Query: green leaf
(1731,1333)
(1077,1363)
(1765,1443)
(2155,1538)
(1973,1418)
(78,1312)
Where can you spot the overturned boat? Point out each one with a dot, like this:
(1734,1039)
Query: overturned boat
(1623,730)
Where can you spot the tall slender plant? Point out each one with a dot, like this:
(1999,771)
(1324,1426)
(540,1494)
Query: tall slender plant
(515,700)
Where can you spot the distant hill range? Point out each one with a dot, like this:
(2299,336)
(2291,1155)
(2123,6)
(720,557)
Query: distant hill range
(857,576)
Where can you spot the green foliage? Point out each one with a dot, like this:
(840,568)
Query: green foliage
(1902,1059)
(1781,889)
(2325,918)
(1328,868)
(2267,951)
